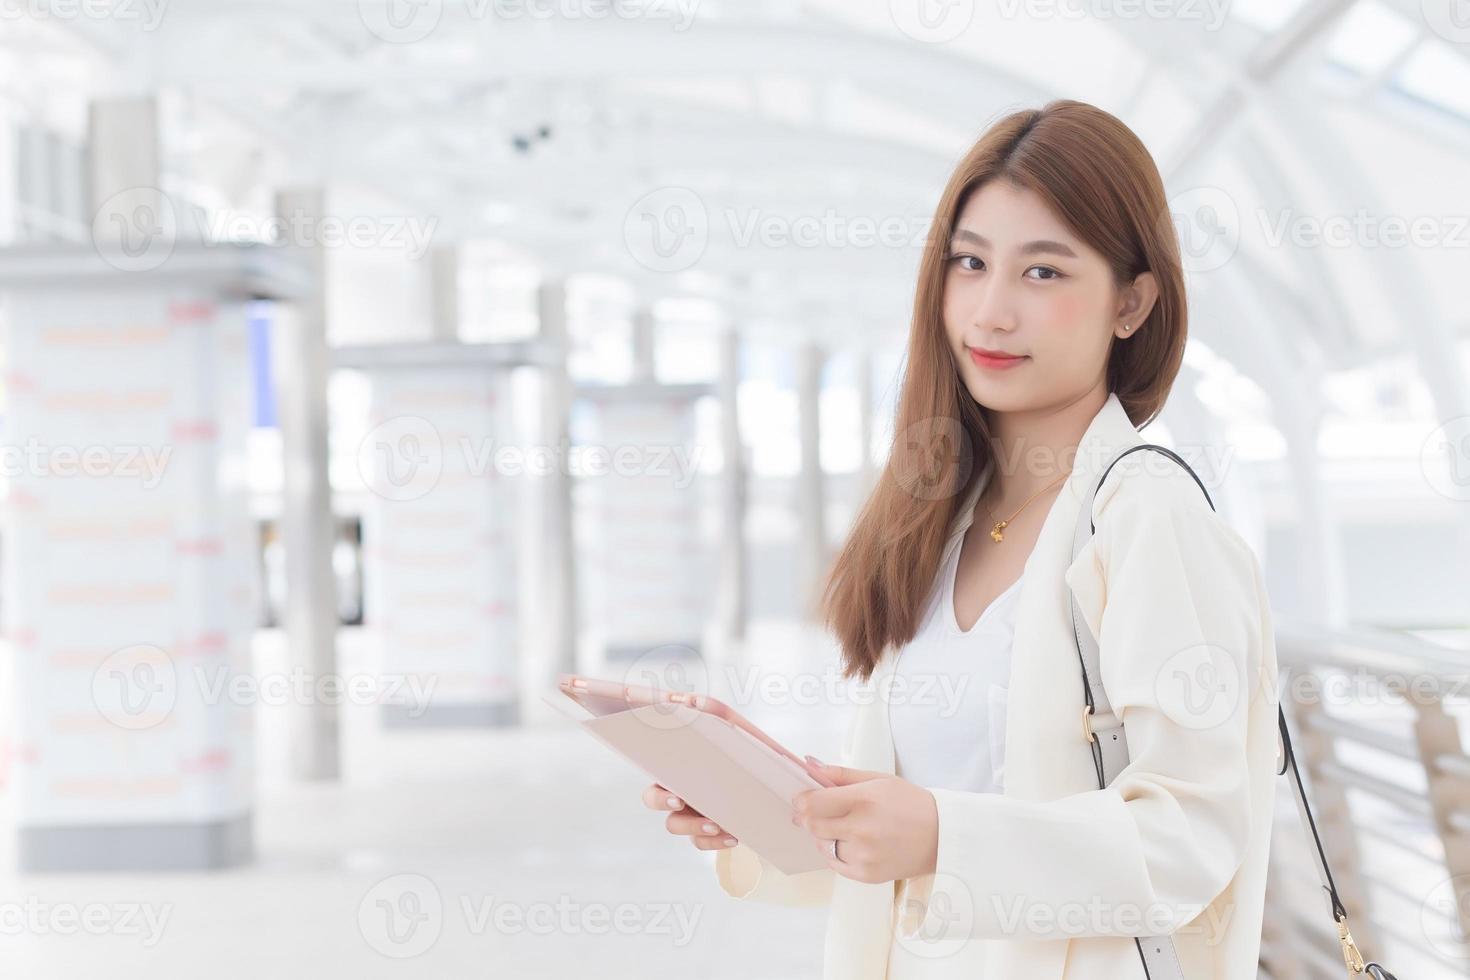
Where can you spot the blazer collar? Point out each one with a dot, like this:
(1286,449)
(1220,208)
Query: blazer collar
(1110,430)
(1038,655)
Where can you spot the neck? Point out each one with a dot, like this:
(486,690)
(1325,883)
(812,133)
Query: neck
(1035,448)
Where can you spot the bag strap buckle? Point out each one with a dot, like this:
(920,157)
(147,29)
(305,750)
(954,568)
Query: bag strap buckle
(1350,954)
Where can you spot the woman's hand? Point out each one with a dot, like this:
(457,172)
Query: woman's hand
(687,822)
(888,827)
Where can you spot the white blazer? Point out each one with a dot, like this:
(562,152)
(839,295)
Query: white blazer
(1049,879)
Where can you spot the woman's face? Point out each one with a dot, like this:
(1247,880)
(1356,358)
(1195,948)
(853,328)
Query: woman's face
(1020,282)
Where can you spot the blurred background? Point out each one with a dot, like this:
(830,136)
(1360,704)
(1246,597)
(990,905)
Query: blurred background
(368,364)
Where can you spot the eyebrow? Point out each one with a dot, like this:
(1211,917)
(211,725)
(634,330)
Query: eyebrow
(1042,246)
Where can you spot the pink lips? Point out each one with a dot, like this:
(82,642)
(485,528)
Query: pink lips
(995,359)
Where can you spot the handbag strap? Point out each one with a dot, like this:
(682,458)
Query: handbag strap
(1109,744)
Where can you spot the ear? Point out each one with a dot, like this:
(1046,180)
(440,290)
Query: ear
(1135,304)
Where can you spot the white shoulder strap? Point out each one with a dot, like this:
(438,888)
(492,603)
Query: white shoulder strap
(1109,743)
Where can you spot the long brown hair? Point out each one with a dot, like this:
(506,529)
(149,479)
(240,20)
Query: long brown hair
(1100,179)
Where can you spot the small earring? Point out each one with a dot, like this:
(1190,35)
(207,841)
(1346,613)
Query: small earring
(1127,326)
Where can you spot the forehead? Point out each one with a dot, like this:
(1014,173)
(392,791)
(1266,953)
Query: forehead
(1008,215)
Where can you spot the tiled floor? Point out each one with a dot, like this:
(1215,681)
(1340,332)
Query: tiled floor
(519,853)
(516,853)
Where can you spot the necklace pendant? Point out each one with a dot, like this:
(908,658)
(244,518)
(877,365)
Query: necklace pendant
(995,532)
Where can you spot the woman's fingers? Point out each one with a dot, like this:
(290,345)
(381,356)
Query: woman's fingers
(686,821)
(707,834)
(655,797)
(714,843)
(692,825)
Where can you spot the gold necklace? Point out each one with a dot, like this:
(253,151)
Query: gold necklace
(1000,526)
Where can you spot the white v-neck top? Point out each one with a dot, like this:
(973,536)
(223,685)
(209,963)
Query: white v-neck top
(947,707)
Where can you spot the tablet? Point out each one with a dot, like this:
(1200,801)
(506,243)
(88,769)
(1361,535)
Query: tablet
(718,762)
(605,697)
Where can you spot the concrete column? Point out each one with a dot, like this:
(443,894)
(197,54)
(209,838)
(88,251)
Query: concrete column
(124,147)
(308,527)
(9,167)
(556,562)
(444,293)
(810,489)
(437,530)
(1318,556)
(643,343)
(732,602)
(129,590)
(127,582)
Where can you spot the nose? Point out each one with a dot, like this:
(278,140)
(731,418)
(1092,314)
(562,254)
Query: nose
(992,310)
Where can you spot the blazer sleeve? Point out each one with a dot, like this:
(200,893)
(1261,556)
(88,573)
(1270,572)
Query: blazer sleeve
(743,873)
(1167,835)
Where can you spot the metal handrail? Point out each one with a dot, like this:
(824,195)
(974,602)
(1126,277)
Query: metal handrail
(1427,736)
(1383,741)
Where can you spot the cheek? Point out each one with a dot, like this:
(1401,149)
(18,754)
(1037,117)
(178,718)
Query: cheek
(952,310)
(1066,310)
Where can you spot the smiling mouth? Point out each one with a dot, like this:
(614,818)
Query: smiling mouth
(994,360)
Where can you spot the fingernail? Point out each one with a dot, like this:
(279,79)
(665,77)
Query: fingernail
(710,828)
(729,842)
(675,803)
(813,760)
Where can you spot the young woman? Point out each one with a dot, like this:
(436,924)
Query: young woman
(968,836)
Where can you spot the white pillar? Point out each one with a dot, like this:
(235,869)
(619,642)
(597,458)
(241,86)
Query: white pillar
(9,166)
(129,588)
(129,593)
(643,345)
(437,532)
(444,293)
(1319,549)
(732,605)
(810,492)
(308,526)
(123,138)
(556,610)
